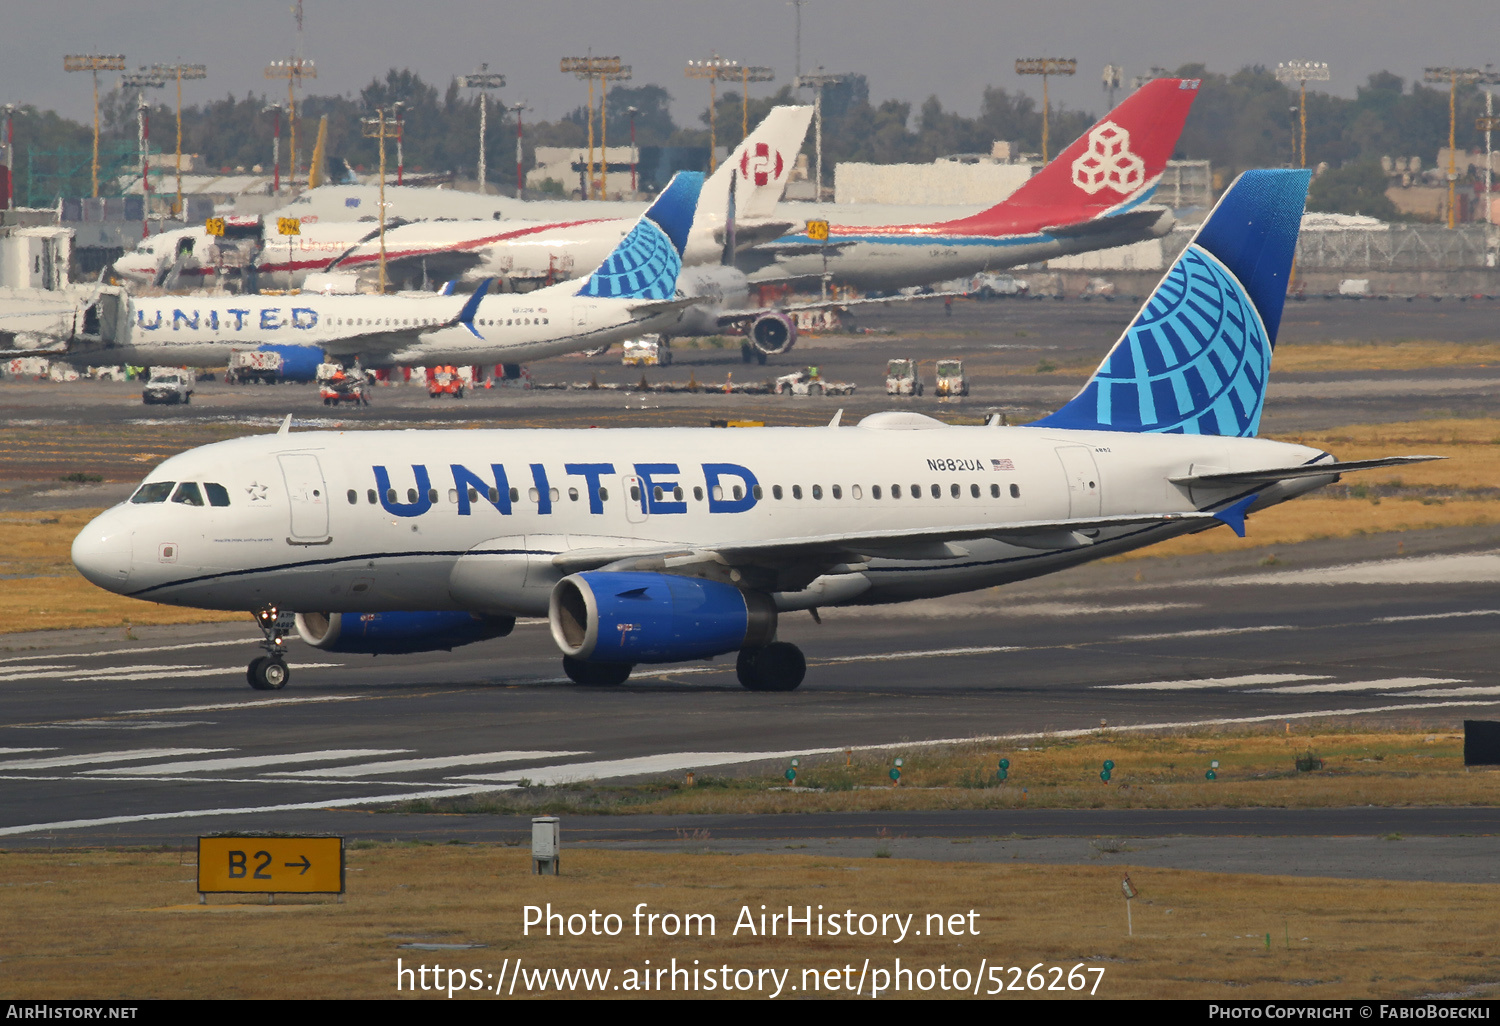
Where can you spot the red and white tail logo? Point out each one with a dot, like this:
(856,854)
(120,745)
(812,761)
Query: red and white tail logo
(761,165)
(1108,162)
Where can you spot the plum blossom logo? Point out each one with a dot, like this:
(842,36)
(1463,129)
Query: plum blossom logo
(1108,162)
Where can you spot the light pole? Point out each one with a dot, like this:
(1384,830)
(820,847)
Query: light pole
(816,81)
(623,75)
(294,70)
(517,109)
(1302,72)
(484,80)
(380,127)
(1486,124)
(8,184)
(587,67)
(1452,76)
(713,69)
(180,72)
(142,81)
(400,154)
(1114,76)
(95,63)
(634,156)
(1046,67)
(748,75)
(797,74)
(275,108)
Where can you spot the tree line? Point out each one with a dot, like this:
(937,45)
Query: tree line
(1240,120)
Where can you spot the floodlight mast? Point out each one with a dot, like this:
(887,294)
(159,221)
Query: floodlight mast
(715,69)
(623,75)
(1046,67)
(634,157)
(380,127)
(275,108)
(95,63)
(1302,72)
(1113,77)
(143,80)
(1453,76)
(7,200)
(517,109)
(816,81)
(179,72)
(1487,124)
(484,80)
(587,67)
(294,70)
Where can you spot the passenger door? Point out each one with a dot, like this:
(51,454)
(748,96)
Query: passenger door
(1082,474)
(307,497)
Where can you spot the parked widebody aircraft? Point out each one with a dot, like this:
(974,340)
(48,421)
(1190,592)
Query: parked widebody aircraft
(671,544)
(632,290)
(1093,195)
(528,252)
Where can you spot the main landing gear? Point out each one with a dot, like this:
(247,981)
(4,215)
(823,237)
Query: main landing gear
(596,675)
(778,666)
(270,672)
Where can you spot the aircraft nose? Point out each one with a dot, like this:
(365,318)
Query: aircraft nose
(101,552)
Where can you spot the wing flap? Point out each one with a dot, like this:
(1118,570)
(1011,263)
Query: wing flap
(1271,474)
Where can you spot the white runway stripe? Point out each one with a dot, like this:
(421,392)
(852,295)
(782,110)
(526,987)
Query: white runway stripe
(102,757)
(253,704)
(1444,693)
(21,673)
(371,769)
(877,657)
(1364,685)
(18,751)
(1212,632)
(1436,616)
(668,763)
(245,762)
(173,674)
(1210,682)
(134,668)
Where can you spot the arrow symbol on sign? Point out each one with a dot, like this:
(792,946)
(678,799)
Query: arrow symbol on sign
(305,864)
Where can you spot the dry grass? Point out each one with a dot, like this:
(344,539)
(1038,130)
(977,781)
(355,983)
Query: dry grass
(102,925)
(1150,772)
(1369,356)
(45,592)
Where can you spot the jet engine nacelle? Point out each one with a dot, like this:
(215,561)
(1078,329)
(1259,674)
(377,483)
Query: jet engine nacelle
(630,617)
(399,633)
(773,333)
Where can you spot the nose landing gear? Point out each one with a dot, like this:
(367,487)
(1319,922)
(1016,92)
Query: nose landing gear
(270,672)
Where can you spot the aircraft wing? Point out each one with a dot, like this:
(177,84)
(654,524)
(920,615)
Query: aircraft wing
(729,317)
(381,339)
(917,543)
(1272,474)
(1140,219)
(662,306)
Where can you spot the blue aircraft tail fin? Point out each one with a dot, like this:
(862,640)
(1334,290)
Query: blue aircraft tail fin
(471,307)
(1197,356)
(647,261)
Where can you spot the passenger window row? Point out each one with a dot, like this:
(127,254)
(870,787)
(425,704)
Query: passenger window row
(955,491)
(658,493)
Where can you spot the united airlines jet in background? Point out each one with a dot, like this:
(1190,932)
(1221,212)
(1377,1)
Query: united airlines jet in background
(672,544)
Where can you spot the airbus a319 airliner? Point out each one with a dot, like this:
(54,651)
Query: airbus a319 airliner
(671,544)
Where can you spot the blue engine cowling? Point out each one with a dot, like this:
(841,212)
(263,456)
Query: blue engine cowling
(604,616)
(399,633)
(298,363)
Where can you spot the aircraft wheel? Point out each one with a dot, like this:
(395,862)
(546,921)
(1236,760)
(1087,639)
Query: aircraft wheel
(747,353)
(779,666)
(760,357)
(268,674)
(596,675)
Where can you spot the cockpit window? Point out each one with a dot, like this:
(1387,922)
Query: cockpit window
(218,495)
(188,494)
(154,491)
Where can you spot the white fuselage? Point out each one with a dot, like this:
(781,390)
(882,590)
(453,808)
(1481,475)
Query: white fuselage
(430,520)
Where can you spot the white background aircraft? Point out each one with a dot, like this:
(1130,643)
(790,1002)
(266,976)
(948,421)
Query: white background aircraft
(675,544)
(564,241)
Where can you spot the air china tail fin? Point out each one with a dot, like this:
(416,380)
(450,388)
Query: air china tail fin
(1196,358)
(647,261)
(1112,167)
(764,161)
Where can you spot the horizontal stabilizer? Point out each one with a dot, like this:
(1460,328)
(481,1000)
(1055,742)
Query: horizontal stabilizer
(1245,477)
(1138,220)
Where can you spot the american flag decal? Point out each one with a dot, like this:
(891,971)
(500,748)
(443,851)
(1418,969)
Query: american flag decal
(1002,465)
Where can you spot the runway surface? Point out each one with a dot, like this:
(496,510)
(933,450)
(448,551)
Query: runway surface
(103,739)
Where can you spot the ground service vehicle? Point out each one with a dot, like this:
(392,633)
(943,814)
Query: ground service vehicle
(443,381)
(168,385)
(646,351)
(951,380)
(901,378)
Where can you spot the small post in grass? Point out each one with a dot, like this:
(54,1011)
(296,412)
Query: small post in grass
(1130,892)
(791,772)
(896,772)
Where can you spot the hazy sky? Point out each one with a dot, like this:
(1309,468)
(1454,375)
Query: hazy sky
(909,49)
